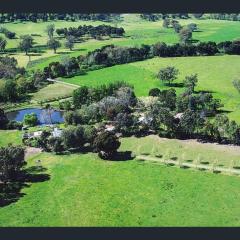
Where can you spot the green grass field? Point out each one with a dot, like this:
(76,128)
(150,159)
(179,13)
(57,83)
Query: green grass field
(215,74)
(86,191)
(10,136)
(53,91)
(138,32)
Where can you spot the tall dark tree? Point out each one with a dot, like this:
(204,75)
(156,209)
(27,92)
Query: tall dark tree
(190,82)
(53,44)
(70,42)
(185,35)
(3,43)
(26,43)
(11,162)
(106,144)
(3,119)
(50,30)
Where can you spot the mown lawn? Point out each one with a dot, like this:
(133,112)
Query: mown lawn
(86,191)
(215,74)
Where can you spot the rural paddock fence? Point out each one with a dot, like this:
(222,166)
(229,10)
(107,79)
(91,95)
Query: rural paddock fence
(213,167)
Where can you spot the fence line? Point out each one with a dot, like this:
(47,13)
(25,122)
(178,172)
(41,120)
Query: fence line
(213,167)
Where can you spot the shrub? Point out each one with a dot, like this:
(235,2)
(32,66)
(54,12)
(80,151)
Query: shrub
(30,119)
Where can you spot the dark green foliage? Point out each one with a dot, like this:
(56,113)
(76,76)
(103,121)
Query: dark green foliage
(73,137)
(30,119)
(185,35)
(100,30)
(11,162)
(26,43)
(168,98)
(70,42)
(168,74)
(3,119)
(3,43)
(190,82)
(106,144)
(53,44)
(154,92)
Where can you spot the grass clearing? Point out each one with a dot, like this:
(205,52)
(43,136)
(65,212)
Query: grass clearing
(10,136)
(53,91)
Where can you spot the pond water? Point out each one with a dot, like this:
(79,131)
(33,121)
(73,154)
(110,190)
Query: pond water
(44,116)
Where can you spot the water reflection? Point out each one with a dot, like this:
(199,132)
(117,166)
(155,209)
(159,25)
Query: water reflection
(45,116)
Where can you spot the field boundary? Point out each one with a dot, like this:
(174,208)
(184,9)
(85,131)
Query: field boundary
(214,168)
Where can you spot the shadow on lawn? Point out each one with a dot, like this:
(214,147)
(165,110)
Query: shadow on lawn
(122,156)
(11,192)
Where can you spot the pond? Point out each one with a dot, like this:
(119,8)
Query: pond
(45,116)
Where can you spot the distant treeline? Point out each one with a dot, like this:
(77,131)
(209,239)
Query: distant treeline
(157,16)
(100,30)
(219,16)
(225,16)
(35,17)
(111,55)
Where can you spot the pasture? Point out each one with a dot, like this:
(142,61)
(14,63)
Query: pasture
(138,31)
(84,190)
(215,75)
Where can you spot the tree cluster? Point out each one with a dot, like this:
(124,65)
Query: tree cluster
(35,17)
(100,30)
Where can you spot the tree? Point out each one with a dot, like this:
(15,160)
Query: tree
(185,35)
(11,162)
(124,122)
(3,43)
(3,119)
(56,144)
(166,22)
(176,25)
(30,119)
(89,133)
(168,74)
(154,92)
(73,137)
(70,42)
(80,96)
(191,81)
(192,26)
(53,44)
(26,43)
(106,144)
(10,92)
(236,84)
(168,98)
(188,122)
(50,30)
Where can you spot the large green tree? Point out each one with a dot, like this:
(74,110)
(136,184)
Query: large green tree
(168,74)
(53,44)
(26,43)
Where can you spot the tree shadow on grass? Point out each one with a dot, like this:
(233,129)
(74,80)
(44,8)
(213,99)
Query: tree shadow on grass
(204,91)
(11,192)
(176,85)
(122,156)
